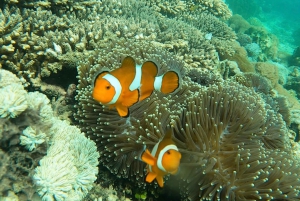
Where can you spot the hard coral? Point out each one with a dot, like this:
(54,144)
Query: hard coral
(70,167)
(12,95)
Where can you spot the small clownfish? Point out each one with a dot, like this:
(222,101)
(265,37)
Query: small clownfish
(164,159)
(131,83)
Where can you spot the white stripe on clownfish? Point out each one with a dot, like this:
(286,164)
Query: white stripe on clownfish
(136,83)
(161,154)
(116,84)
(153,152)
(158,82)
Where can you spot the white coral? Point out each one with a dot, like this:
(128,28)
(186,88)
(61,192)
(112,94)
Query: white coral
(30,139)
(76,160)
(13,101)
(54,177)
(39,102)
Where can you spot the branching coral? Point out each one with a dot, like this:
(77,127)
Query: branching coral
(49,42)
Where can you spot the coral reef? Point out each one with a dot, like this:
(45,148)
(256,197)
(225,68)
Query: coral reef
(269,71)
(240,57)
(267,42)
(233,127)
(214,124)
(47,42)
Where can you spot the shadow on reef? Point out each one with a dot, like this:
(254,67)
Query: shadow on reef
(63,78)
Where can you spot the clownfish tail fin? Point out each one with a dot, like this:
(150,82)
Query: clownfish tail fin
(167,83)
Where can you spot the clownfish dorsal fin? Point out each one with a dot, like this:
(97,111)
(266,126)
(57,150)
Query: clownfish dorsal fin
(128,62)
(148,158)
(149,68)
(130,98)
(168,134)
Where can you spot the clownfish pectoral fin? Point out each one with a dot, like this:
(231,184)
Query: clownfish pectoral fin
(160,180)
(174,172)
(170,82)
(122,110)
(128,62)
(150,177)
(148,158)
(149,71)
(130,98)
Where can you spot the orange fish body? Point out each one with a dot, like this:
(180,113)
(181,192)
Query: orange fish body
(164,159)
(125,86)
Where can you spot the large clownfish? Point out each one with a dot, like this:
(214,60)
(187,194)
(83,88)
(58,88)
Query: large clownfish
(164,159)
(125,86)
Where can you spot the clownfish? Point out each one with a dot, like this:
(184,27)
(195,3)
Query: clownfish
(131,83)
(164,159)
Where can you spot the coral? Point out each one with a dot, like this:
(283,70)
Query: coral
(220,34)
(55,176)
(37,128)
(266,41)
(52,39)
(253,8)
(3,163)
(10,30)
(294,60)
(106,194)
(12,95)
(228,69)
(203,77)
(70,167)
(240,57)
(269,71)
(244,39)
(188,8)
(253,51)
(259,83)
(216,7)
(30,139)
(238,24)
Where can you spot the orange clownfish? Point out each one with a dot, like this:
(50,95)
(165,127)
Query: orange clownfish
(164,159)
(125,86)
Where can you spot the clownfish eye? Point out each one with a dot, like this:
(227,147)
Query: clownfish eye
(107,87)
(168,152)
